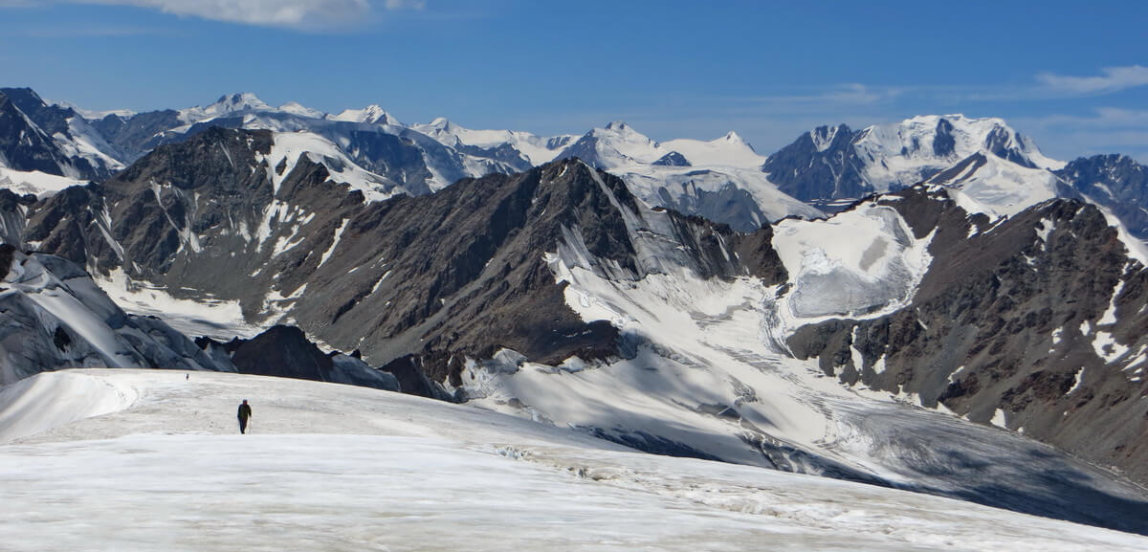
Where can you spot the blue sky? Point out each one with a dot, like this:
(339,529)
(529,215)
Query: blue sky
(1073,76)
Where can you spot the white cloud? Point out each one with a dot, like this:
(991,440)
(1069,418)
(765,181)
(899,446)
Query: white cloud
(405,4)
(1103,130)
(298,14)
(851,94)
(1114,79)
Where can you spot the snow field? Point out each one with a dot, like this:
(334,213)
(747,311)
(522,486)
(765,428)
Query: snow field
(861,262)
(332,467)
(216,318)
(1002,189)
(35,182)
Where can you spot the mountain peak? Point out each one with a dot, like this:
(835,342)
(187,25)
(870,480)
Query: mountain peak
(824,136)
(733,137)
(238,102)
(372,114)
(618,125)
(296,108)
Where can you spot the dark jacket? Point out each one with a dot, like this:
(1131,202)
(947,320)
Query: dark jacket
(244,411)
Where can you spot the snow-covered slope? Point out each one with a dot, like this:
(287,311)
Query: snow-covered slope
(135,460)
(995,187)
(288,147)
(37,183)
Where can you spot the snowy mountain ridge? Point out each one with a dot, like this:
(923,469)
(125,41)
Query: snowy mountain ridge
(722,179)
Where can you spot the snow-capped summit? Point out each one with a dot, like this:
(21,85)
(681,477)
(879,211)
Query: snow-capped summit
(225,105)
(719,179)
(615,146)
(728,151)
(371,115)
(835,163)
(296,108)
(732,136)
(824,136)
(930,139)
(237,102)
(619,126)
(449,134)
(441,123)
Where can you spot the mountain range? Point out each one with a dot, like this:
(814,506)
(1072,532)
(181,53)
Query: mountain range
(842,307)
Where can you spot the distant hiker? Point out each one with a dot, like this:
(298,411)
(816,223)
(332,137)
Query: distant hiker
(244,414)
(187,376)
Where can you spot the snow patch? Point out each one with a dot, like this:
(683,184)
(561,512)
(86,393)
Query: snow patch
(37,183)
(334,242)
(1107,348)
(1078,377)
(215,318)
(999,419)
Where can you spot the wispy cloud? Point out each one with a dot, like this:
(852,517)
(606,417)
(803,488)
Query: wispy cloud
(314,15)
(1113,79)
(1101,130)
(848,94)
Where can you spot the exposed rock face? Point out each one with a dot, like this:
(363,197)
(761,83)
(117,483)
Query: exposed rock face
(586,149)
(463,273)
(134,136)
(45,139)
(51,119)
(819,165)
(284,351)
(672,159)
(53,317)
(734,205)
(24,147)
(1114,181)
(1038,319)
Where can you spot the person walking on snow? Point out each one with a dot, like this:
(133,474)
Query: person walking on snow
(244,414)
